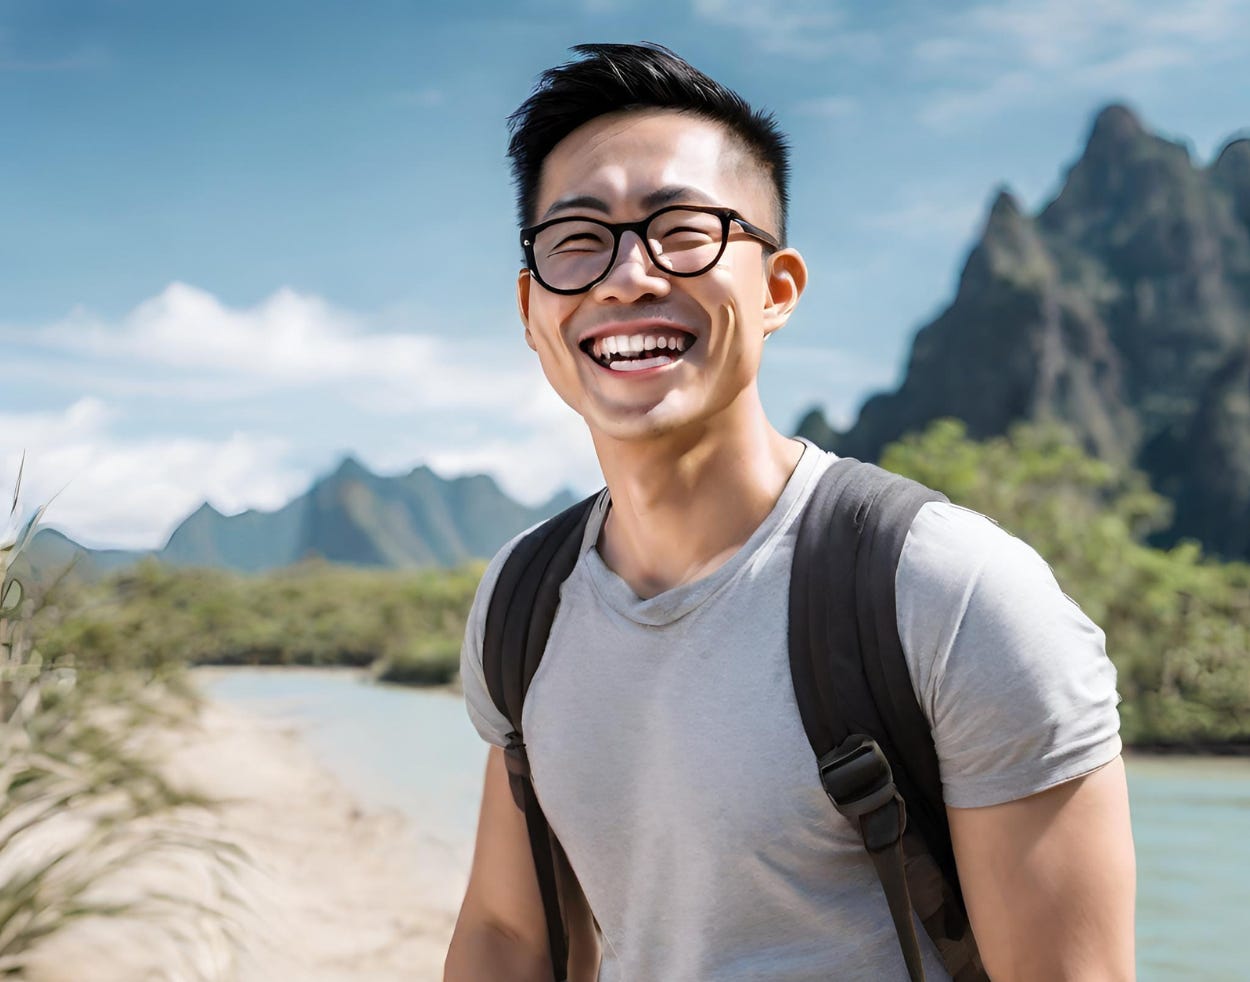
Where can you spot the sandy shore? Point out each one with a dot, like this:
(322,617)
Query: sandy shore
(328,890)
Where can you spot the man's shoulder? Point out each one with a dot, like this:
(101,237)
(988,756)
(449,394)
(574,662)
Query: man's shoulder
(1012,676)
(944,542)
(948,543)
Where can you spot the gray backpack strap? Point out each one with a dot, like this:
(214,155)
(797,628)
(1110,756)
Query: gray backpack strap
(518,620)
(874,751)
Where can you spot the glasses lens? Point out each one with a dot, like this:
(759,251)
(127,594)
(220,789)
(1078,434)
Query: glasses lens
(572,254)
(685,241)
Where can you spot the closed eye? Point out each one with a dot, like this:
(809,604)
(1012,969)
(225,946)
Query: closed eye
(587,239)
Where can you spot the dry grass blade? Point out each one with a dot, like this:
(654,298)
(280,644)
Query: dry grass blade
(17,485)
(79,805)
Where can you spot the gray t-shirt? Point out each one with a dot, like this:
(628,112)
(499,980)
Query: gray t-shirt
(669,757)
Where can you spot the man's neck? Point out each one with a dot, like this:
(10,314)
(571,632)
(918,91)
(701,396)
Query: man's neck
(682,505)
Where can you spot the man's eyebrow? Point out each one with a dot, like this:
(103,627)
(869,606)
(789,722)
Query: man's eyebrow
(577,201)
(676,193)
(656,199)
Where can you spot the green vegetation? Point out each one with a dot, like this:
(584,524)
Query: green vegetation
(1178,625)
(406,626)
(80,800)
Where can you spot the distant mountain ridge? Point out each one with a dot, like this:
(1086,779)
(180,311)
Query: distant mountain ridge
(1122,309)
(352,515)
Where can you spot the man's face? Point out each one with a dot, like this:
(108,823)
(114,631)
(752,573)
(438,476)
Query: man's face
(706,331)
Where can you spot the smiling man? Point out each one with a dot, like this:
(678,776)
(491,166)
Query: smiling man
(662,734)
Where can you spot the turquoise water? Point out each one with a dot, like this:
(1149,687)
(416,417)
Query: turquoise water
(415,750)
(1191,826)
(409,749)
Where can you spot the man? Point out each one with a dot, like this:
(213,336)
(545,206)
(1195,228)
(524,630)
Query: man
(662,730)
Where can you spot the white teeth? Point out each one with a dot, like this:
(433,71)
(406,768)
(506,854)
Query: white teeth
(604,348)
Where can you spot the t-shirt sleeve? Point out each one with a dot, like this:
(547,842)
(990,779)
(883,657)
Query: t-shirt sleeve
(490,723)
(1012,676)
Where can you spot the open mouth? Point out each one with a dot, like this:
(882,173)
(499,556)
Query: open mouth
(637,352)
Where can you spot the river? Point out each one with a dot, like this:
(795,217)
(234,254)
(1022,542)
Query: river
(415,750)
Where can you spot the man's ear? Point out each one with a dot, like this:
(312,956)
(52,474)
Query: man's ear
(786,281)
(523,284)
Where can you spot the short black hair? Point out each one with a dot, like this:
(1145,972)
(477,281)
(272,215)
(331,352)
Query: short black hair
(609,78)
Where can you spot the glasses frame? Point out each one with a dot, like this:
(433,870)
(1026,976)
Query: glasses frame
(639,228)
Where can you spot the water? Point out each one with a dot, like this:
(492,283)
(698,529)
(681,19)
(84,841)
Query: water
(392,747)
(415,750)
(1191,826)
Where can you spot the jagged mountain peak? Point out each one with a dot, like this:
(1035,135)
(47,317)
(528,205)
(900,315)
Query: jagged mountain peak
(1122,309)
(1010,248)
(1115,128)
(350,516)
(1008,226)
(1005,209)
(1125,174)
(206,511)
(350,469)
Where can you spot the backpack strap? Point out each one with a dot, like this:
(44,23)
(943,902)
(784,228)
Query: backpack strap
(871,740)
(873,747)
(518,619)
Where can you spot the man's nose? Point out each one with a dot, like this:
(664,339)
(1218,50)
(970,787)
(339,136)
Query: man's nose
(633,275)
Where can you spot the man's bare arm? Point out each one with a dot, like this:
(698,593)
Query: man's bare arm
(1050,880)
(501,932)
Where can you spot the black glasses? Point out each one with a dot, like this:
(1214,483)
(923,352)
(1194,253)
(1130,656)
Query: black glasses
(570,255)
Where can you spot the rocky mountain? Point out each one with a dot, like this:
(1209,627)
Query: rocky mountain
(351,516)
(1121,309)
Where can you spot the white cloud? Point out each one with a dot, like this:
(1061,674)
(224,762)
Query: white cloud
(543,448)
(554,453)
(924,217)
(797,28)
(109,490)
(186,340)
(797,377)
(951,107)
(186,399)
(1000,56)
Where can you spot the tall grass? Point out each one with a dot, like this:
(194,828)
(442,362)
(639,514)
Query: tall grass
(81,802)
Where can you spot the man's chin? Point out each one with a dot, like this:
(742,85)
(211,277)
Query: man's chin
(640,424)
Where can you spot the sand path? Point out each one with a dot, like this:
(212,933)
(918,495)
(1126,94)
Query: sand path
(333,892)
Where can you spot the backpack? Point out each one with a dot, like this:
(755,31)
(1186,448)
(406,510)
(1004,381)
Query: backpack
(874,752)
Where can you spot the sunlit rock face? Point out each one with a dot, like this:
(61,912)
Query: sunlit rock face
(1122,309)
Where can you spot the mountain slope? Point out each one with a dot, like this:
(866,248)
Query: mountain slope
(1122,309)
(350,516)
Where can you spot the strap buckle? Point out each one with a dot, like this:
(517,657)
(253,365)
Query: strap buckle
(515,757)
(517,762)
(857,778)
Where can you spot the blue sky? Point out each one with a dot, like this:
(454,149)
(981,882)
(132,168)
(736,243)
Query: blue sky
(240,239)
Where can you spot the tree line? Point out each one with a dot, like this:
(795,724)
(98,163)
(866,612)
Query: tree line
(1177,623)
